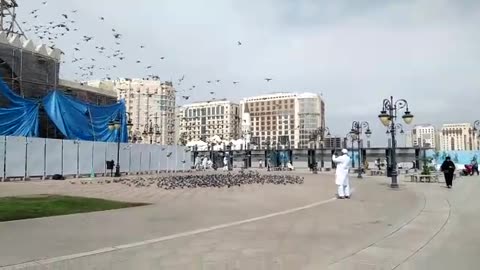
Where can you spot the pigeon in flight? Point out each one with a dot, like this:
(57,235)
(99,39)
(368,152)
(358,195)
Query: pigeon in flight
(239,43)
(235,82)
(74,11)
(218,81)
(211,93)
(141,46)
(65,16)
(268,79)
(209,81)
(163,57)
(44,3)
(102,18)
(186,97)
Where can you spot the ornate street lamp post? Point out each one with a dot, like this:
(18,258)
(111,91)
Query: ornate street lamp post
(116,125)
(317,134)
(352,138)
(357,131)
(388,116)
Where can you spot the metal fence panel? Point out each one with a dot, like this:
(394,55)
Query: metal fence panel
(85,157)
(135,158)
(163,157)
(124,157)
(170,157)
(145,157)
(180,157)
(15,159)
(35,156)
(99,152)
(53,159)
(3,140)
(111,152)
(156,158)
(70,161)
(186,159)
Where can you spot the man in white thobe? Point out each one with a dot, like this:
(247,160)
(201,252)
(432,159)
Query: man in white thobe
(341,174)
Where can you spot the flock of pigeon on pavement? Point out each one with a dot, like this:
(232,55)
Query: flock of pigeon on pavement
(218,180)
(110,54)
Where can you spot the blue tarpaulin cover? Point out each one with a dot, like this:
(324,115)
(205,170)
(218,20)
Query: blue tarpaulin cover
(21,117)
(79,120)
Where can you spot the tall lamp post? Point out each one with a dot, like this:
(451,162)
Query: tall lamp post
(116,125)
(388,116)
(352,138)
(357,130)
(316,134)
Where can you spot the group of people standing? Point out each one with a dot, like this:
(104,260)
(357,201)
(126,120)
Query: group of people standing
(203,163)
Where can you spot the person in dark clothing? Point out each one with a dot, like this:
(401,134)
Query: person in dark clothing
(448,169)
(475,167)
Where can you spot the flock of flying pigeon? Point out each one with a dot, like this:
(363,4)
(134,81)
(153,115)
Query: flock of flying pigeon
(109,53)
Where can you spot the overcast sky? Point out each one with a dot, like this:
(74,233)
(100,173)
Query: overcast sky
(355,53)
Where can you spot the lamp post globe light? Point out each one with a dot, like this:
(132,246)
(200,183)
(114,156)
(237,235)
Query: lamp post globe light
(320,133)
(116,125)
(388,116)
(359,128)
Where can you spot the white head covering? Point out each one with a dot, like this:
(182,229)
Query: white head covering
(344,151)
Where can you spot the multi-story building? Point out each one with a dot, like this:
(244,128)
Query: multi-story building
(282,119)
(151,105)
(203,120)
(423,136)
(458,137)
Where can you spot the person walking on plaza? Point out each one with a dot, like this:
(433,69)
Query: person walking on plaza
(448,169)
(475,167)
(341,174)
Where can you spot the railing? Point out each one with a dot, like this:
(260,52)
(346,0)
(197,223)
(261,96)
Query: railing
(28,157)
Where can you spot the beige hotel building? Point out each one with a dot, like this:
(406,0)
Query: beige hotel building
(203,120)
(281,120)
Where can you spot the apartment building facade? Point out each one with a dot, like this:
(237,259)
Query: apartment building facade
(282,120)
(203,120)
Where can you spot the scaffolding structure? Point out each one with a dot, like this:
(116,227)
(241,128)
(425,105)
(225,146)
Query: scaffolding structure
(8,18)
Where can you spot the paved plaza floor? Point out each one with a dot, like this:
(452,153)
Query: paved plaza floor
(418,226)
